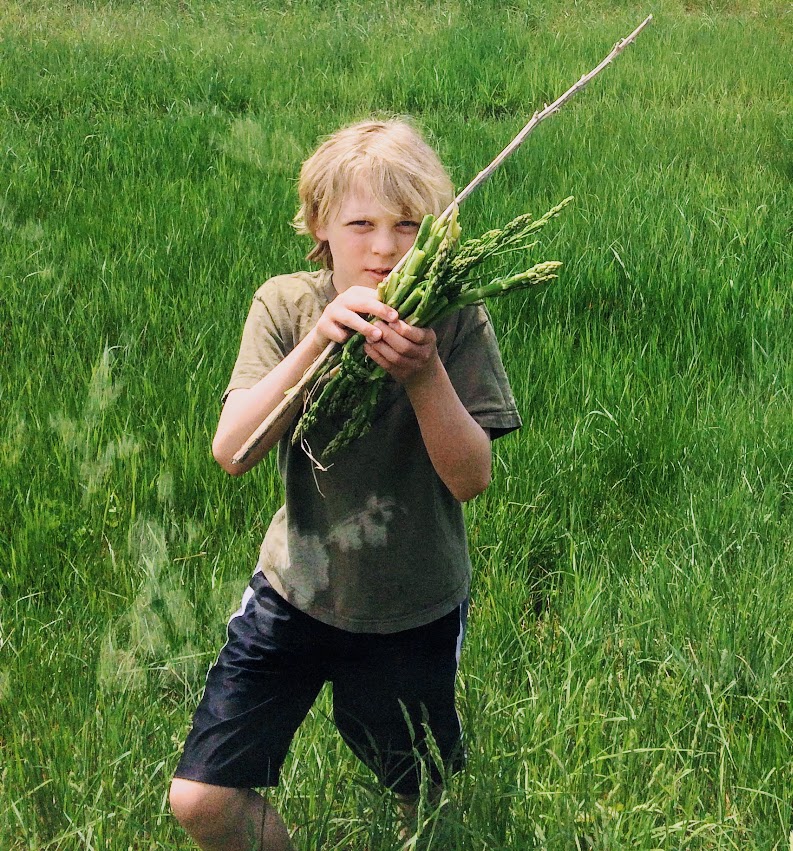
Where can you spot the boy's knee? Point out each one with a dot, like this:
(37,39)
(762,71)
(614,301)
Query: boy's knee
(198,806)
(185,800)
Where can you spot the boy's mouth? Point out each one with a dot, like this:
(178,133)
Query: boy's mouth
(380,273)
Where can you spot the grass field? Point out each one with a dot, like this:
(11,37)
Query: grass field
(628,672)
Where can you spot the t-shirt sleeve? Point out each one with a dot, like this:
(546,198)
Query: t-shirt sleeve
(262,346)
(477,373)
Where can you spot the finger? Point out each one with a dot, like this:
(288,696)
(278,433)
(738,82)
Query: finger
(353,321)
(374,353)
(419,336)
(383,311)
(364,300)
(336,333)
(399,344)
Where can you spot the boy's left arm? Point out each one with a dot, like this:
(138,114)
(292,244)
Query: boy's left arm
(457,445)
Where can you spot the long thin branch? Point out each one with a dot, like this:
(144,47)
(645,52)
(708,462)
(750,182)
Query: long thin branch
(542,115)
(285,407)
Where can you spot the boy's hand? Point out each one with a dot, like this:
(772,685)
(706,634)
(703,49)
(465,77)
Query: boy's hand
(346,314)
(404,351)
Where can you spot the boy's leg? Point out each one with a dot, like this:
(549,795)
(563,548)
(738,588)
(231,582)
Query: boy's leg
(408,806)
(388,690)
(221,818)
(257,693)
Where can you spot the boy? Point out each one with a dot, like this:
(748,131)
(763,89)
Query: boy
(362,581)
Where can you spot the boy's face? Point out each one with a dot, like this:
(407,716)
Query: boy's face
(366,240)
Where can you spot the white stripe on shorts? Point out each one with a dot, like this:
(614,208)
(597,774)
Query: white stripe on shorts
(459,649)
(246,597)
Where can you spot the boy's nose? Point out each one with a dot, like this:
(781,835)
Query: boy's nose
(384,243)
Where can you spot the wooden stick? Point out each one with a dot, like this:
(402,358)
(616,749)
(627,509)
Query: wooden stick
(285,407)
(547,111)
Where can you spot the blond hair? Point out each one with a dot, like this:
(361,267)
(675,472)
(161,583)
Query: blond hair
(389,157)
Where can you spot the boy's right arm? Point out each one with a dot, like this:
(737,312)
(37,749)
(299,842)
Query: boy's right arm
(246,409)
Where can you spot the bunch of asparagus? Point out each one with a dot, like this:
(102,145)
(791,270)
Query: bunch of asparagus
(436,279)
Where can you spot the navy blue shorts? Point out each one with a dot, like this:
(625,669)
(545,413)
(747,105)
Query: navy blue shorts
(387,691)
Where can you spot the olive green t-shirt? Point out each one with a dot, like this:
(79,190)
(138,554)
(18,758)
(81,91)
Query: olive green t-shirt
(377,542)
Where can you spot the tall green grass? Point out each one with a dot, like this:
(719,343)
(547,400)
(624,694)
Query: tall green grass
(627,675)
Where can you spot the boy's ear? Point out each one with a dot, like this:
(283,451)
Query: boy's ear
(321,234)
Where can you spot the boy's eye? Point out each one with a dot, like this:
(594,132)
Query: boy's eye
(404,226)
